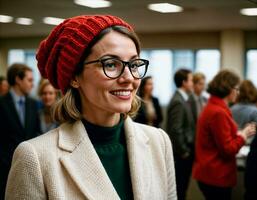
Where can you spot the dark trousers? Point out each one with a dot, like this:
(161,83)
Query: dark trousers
(211,192)
(183,169)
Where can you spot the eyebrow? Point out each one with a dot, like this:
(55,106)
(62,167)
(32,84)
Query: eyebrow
(115,56)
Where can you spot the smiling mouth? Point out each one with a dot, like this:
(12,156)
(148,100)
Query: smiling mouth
(121,93)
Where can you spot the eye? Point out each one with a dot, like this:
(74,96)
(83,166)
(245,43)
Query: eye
(134,65)
(110,64)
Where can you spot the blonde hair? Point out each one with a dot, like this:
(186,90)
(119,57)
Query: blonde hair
(42,84)
(197,77)
(68,108)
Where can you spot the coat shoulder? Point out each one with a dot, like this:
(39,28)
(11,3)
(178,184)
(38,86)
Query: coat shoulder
(45,142)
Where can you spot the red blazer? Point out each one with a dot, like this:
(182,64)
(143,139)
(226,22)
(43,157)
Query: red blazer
(217,143)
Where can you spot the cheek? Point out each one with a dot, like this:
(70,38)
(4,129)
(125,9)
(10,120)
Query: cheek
(44,99)
(95,88)
(51,97)
(137,84)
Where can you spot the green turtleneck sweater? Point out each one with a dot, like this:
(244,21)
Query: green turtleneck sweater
(110,145)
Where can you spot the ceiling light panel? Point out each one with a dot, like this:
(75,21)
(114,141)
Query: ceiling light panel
(249,11)
(24,21)
(93,3)
(5,19)
(165,8)
(52,20)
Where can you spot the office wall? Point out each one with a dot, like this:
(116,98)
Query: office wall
(223,40)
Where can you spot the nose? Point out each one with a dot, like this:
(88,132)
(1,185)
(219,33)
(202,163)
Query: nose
(126,75)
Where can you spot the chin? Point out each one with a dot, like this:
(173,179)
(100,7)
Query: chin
(122,109)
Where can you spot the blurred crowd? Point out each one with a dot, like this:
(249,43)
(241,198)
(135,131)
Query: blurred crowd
(206,131)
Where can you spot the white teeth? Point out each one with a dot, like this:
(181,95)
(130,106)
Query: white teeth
(121,93)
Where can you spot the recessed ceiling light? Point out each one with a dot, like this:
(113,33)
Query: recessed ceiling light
(5,19)
(52,20)
(93,3)
(249,11)
(24,21)
(165,8)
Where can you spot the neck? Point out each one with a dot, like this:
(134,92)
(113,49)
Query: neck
(197,93)
(47,109)
(102,119)
(17,90)
(147,96)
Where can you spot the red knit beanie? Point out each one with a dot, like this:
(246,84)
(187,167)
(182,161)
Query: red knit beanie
(60,53)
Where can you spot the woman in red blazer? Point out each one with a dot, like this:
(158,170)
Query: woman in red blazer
(218,140)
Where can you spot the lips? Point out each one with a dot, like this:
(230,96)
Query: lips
(123,94)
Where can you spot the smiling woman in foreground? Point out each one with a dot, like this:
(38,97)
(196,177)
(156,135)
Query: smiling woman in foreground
(98,152)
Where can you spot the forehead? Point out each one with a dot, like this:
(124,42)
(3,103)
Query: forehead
(199,80)
(115,43)
(189,76)
(48,87)
(28,73)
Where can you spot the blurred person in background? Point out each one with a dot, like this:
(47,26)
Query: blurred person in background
(48,95)
(244,112)
(180,128)
(196,99)
(218,139)
(18,117)
(4,86)
(150,111)
(98,151)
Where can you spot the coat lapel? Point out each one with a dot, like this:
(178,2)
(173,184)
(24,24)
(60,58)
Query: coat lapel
(85,168)
(139,160)
(83,163)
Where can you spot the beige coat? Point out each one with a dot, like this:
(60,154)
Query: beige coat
(63,164)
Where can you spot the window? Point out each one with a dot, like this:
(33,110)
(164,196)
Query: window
(27,57)
(251,69)
(208,63)
(183,59)
(164,63)
(160,69)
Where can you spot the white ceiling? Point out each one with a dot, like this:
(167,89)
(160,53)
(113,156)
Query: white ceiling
(198,15)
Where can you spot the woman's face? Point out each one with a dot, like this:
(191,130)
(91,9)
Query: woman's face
(148,87)
(233,94)
(100,94)
(48,95)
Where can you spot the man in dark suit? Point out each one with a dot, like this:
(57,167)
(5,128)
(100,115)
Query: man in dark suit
(180,127)
(18,119)
(196,100)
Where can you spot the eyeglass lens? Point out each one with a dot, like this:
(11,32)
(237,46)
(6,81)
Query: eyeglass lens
(113,67)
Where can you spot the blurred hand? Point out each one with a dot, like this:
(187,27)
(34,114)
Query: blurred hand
(249,130)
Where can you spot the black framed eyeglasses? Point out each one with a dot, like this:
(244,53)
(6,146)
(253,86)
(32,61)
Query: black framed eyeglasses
(114,67)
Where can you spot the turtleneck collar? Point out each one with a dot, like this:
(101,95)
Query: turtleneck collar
(101,135)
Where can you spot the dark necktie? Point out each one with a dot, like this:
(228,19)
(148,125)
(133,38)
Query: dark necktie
(21,111)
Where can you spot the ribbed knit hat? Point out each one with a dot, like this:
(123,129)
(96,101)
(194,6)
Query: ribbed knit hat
(60,53)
